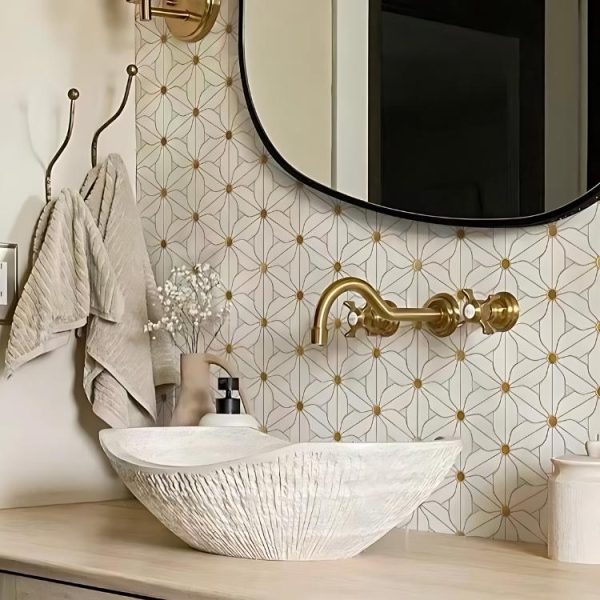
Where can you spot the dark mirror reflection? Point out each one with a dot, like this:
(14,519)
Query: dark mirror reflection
(456,108)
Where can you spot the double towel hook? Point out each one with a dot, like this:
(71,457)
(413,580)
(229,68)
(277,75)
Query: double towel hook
(73,95)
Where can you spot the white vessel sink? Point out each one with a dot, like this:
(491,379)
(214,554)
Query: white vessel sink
(241,493)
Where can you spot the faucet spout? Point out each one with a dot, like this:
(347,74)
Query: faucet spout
(378,307)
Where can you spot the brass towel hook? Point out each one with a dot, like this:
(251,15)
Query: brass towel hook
(132,71)
(73,95)
(188,20)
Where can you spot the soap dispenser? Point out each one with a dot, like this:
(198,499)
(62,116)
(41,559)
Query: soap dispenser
(228,408)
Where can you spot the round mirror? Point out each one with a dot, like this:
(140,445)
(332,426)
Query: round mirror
(454,111)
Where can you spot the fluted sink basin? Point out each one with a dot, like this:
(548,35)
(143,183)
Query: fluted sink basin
(241,493)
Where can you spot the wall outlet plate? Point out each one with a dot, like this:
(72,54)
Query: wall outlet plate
(8,281)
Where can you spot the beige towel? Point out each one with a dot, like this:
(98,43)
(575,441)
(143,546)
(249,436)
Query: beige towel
(71,278)
(122,364)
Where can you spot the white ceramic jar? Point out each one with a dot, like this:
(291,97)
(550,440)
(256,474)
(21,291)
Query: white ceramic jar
(574,515)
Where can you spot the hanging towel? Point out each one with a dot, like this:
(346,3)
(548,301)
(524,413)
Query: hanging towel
(123,366)
(71,278)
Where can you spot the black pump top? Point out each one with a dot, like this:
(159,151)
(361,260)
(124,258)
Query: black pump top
(228,405)
(229,383)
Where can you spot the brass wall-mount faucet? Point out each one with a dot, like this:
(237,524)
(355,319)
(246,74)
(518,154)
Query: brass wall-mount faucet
(442,314)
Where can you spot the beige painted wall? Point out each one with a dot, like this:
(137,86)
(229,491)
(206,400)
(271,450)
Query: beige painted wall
(49,451)
(289,62)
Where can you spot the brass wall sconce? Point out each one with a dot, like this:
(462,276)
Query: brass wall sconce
(442,314)
(187,20)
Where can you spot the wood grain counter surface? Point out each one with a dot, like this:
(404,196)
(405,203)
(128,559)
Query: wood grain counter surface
(119,547)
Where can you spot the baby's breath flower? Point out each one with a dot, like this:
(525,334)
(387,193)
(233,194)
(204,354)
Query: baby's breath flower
(188,306)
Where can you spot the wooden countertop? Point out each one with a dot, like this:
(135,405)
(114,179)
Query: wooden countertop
(118,546)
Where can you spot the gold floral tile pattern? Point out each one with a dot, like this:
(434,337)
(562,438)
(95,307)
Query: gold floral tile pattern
(209,192)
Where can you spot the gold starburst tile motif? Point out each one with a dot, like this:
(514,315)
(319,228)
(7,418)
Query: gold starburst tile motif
(515,399)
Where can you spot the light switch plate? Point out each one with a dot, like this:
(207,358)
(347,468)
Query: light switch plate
(8,281)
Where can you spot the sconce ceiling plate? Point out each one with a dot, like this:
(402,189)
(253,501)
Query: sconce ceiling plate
(191,30)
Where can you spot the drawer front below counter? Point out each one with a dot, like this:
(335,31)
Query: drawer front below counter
(14,587)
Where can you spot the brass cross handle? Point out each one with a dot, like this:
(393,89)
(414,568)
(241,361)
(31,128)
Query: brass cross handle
(499,313)
(366,318)
(355,318)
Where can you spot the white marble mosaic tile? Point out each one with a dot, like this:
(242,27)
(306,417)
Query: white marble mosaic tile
(209,192)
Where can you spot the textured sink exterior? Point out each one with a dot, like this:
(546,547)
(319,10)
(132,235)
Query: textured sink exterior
(241,493)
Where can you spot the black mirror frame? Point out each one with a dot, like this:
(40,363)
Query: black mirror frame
(588,199)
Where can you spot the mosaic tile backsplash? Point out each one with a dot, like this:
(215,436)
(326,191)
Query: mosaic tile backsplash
(210,193)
